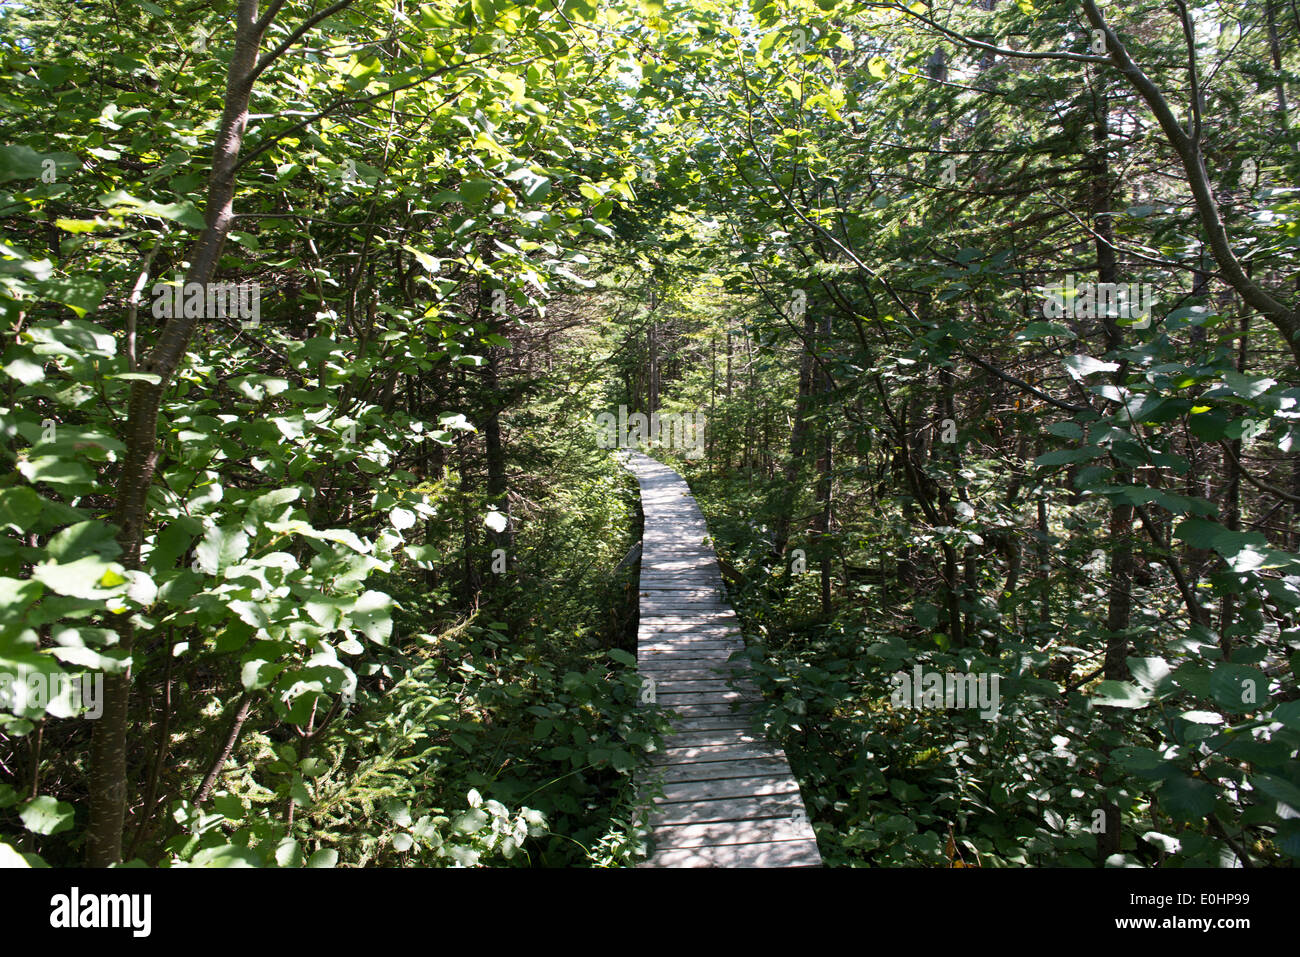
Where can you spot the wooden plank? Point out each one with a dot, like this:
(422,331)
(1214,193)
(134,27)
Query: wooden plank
(677,698)
(668,682)
(703,690)
(772,854)
(701,671)
(727,737)
(696,706)
(693,645)
(697,655)
(723,683)
(738,722)
(694,791)
(685,628)
(709,709)
(716,752)
(736,809)
(686,624)
(668,672)
(763,831)
(678,772)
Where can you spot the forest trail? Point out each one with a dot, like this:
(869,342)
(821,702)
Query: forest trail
(729,798)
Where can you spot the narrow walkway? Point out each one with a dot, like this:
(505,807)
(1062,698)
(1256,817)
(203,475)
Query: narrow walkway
(729,799)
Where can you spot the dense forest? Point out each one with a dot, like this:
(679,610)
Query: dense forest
(316,315)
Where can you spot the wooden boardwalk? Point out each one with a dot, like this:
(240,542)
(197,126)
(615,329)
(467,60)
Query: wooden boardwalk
(729,799)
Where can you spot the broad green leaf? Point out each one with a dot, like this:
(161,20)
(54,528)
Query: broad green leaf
(1187,799)
(45,815)
(1120,694)
(372,616)
(220,548)
(1239,688)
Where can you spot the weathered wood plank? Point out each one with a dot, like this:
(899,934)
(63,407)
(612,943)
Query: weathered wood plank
(666,671)
(715,752)
(736,722)
(763,831)
(666,684)
(690,645)
(773,854)
(697,655)
(676,773)
(670,683)
(725,737)
(679,792)
(673,695)
(707,709)
(736,809)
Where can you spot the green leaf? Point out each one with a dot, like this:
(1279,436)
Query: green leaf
(1243,551)
(82,539)
(288,853)
(1247,386)
(1288,713)
(1279,789)
(1170,845)
(24,163)
(20,508)
(55,470)
(474,191)
(422,554)
(1067,456)
(1066,430)
(24,370)
(1141,761)
(1041,330)
(1151,673)
(1120,694)
(427,262)
(227,855)
(1239,688)
(1187,799)
(85,578)
(77,225)
(1081,366)
(325,857)
(372,615)
(45,815)
(926,614)
(119,203)
(220,548)
(81,294)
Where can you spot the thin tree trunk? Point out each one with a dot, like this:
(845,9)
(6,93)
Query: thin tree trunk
(107,775)
(798,439)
